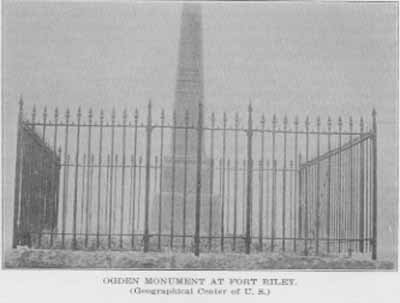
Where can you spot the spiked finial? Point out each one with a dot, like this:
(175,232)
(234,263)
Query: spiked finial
(174,117)
(136,116)
(90,115)
(296,122)
(329,123)
(79,115)
(361,125)
(340,123)
(250,107)
(285,122)
(124,115)
(162,116)
(351,124)
(45,114)
(56,115)
(67,115)
(21,103)
(224,119)
(318,123)
(263,121)
(101,116)
(236,120)
(212,119)
(274,121)
(113,115)
(33,114)
(186,117)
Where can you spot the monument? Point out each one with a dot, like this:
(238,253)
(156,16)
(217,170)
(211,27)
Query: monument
(179,176)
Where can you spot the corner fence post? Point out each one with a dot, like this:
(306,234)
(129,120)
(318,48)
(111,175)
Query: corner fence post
(198,183)
(249,179)
(147,189)
(18,167)
(374,187)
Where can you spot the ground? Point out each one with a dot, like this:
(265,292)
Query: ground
(57,258)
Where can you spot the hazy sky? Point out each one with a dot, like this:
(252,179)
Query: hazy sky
(303,58)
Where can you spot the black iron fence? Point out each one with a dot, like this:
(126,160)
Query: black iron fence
(210,183)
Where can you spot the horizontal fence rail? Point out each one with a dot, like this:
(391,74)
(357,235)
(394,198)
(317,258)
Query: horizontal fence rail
(204,183)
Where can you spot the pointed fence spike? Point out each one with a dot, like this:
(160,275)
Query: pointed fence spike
(33,113)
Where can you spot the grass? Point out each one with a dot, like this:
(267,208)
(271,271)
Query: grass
(56,258)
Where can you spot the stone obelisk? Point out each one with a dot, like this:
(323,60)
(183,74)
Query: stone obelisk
(179,180)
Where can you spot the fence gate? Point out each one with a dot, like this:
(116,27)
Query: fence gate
(230,182)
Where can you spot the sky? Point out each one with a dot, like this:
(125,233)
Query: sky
(288,58)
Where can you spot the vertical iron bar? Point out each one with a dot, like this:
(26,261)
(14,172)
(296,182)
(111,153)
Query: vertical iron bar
(318,202)
(198,183)
(296,206)
(267,201)
(99,178)
(121,228)
(361,202)
(161,179)
(136,117)
(76,180)
(273,210)
(211,182)
(173,182)
(285,122)
(223,182)
(306,190)
(42,191)
(88,177)
(235,194)
(139,194)
(56,177)
(350,218)
(249,178)
(107,199)
(261,186)
(340,201)
(185,181)
(228,195)
(375,189)
(110,206)
(328,206)
(18,177)
(147,192)
(82,210)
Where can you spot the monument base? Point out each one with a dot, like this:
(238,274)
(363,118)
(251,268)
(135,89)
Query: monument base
(176,217)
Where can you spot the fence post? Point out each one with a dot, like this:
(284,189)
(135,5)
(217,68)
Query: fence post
(296,181)
(285,122)
(375,189)
(55,184)
(317,212)
(249,178)
(198,183)
(76,181)
(111,178)
(123,164)
(99,179)
(223,182)
(328,206)
(235,195)
(147,189)
(211,182)
(306,214)
(18,167)
(160,180)
(361,205)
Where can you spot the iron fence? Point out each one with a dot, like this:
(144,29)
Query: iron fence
(210,183)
